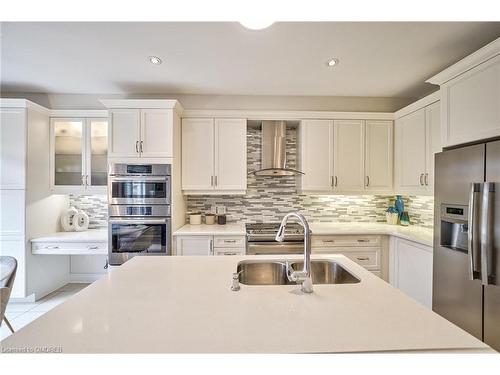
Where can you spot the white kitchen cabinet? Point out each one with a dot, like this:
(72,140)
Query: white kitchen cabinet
(369,251)
(12,148)
(316,159)
(214,156)
(210,245)
(410,140)
(156,133)
(411,269)
(379,155)
(417,140)
(78,155)
(472,104)
(140,133)
(346,156)
(470,97)
(194,245)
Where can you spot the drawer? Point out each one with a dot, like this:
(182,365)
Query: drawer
(370,259)
(229,251)
(366,257)
(69,248)
(230,241)
(345,241)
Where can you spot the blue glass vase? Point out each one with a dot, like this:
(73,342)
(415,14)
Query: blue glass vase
(399,204)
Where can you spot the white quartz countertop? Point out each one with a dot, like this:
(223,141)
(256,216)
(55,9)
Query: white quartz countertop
(230,229)
(91,235)
(185,305)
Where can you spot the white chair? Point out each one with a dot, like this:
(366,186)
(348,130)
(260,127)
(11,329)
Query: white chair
(8,268)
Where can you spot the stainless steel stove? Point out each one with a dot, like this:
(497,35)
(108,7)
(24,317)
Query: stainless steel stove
(261,239)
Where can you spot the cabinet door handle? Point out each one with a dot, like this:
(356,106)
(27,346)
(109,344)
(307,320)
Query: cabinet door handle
(137,146)
(86,180)
(83,180)
(367,180)
(335,181)
(142,143)
(92,247)
(215,180)
(331,181)
(420,179)
(211,247)
(426,179)
(211,180)
(362,258)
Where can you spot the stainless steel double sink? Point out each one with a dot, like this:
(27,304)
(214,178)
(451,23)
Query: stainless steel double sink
(274,272)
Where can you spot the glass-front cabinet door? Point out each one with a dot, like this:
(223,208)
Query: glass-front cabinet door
(79,155)
(98,155)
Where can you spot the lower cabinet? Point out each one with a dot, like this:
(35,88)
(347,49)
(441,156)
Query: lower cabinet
(411,269)
(210,245)
(368,251)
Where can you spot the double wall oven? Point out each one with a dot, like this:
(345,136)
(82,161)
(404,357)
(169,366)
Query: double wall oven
(139,211)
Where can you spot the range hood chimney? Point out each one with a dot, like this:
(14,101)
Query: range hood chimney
(274,150)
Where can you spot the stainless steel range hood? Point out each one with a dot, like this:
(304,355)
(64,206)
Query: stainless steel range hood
(274,150)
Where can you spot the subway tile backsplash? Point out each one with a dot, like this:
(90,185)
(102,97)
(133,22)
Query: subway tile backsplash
(269,198)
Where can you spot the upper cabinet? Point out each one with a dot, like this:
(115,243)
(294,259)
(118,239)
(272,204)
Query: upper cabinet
(470,97)
(346,156)
(13,148)
(214,156)
(417,140)
(78,158)
(144,133)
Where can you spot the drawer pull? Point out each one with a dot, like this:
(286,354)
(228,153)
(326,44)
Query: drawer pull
(52,247)
(329,241)
(362,258)
(229,241)
(230,253)
(363,240)
(93,247)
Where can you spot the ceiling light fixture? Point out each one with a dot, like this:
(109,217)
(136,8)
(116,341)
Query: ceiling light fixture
(256,24)
(154,60)
(332,62)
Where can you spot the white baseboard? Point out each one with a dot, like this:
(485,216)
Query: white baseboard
(85,277)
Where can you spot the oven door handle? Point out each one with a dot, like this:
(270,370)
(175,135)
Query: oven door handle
(139,221)
(139,178)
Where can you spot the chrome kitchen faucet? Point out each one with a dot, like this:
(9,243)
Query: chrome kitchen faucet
(303,276)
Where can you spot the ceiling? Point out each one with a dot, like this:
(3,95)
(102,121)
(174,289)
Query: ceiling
(375,59)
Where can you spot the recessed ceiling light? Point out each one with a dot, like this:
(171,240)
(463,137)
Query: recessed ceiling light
(256,24)
(154,60)
(332,62)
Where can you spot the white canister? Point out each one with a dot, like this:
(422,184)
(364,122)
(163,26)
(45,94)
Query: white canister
(209,219)
(195,218)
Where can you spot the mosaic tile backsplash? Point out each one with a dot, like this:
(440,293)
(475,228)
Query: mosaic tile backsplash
(96,206)
(269,198)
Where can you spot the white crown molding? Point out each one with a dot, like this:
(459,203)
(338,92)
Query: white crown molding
(92,113)
(415,106)
(143,103)
(287,115)
(481,55)
(22,103)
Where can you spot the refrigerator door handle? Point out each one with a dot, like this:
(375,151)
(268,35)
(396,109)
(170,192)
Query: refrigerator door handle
(487,204)
(472,240)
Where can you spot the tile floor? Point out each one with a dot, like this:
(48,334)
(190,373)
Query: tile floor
(20,314)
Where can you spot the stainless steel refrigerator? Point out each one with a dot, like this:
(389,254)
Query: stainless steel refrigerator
(466,271)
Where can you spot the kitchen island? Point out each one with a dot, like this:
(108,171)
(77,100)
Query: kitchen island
(186,305)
